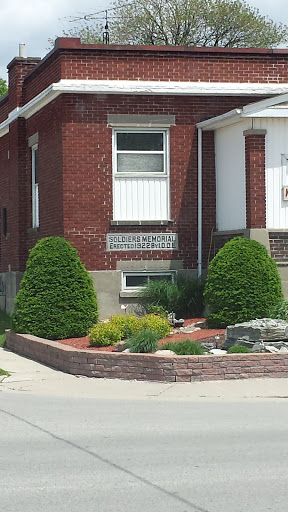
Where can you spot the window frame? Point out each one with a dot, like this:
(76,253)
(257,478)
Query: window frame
(35,186)
(163,175)
(170,273)
(164,152)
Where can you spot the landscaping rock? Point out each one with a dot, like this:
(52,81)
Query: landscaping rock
(165,353)
(255,331)
(258,347)
(271,349)
(217,351)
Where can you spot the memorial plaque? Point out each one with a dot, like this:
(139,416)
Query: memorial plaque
(142,241)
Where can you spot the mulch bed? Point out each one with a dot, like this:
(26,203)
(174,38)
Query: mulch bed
(201,335)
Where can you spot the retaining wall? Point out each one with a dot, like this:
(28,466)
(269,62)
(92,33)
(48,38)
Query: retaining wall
(151,367)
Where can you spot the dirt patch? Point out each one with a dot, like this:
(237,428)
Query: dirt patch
(198,335)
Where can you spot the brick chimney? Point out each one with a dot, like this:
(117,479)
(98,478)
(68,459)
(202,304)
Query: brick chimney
(18,68)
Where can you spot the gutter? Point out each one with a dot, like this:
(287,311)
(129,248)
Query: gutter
(199,260)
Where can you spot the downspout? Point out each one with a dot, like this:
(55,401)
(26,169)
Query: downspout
(199,271)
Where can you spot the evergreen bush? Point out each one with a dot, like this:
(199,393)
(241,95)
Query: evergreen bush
(56,299)
(243,283)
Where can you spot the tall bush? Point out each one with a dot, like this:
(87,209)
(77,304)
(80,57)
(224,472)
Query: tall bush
(56,299)
(243,283)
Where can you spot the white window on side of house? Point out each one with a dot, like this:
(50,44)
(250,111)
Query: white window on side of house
(137,280)
(35,188)
(141,174)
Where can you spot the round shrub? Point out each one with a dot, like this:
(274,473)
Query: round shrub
(185,347)
(238,349)
(155,323)
(127,324)
(243,283)
(143,342)
(103,335)
(56,299)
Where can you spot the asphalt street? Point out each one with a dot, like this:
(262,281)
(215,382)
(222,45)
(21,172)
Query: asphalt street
(71,444)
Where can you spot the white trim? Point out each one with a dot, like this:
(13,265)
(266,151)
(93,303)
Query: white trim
(35,189)
(139,87)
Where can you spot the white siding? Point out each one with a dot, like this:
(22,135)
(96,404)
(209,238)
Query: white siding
(230,176)
(141,198)
(276,145)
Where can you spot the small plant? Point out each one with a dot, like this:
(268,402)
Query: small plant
(127,324)
(155,323)
(143,342)
(243,283)
(280,311)
(238,349)
(185,347)
(103,335)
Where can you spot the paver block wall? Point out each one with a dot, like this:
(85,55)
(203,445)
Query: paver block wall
(148,367)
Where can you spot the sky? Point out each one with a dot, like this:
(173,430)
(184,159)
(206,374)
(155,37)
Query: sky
(34,22)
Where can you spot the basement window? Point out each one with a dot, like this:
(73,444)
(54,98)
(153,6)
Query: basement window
(137,280)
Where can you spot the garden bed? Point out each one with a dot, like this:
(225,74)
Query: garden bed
(200,335)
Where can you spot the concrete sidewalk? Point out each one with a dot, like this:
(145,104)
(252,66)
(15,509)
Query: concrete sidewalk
(31,377)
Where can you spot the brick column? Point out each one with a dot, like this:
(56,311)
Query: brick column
(255,178)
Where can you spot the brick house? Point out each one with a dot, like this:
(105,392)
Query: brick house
(146,158)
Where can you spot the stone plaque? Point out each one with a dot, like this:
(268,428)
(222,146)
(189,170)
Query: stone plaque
(142,241)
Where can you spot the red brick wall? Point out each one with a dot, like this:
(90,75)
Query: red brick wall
(75,152)
(279,246)
(255,181)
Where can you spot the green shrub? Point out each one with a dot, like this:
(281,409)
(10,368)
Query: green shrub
(184,297)
(280,310)
(143,342)
(56,299)
(154,323)
(243,283)
(103,335)
(238,349)
(185,347)
(127,324)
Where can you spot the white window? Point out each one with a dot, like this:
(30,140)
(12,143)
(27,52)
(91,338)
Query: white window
(35,191)
(137,280)
(141,174)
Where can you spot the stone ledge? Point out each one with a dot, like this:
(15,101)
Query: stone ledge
(117,365)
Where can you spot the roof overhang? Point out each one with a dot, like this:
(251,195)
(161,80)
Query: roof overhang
(135,87)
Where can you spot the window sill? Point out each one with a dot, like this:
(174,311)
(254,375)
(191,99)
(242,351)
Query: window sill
(140,222)
(130,293)
(32,230)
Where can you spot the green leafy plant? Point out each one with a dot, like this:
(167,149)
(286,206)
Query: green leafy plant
(127,324)
(184,297)
(185,347)
(103,335)
(154,323)
(243,283)
(4,372)
(56,299)
(238,349)
(143,341)
(280,310)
